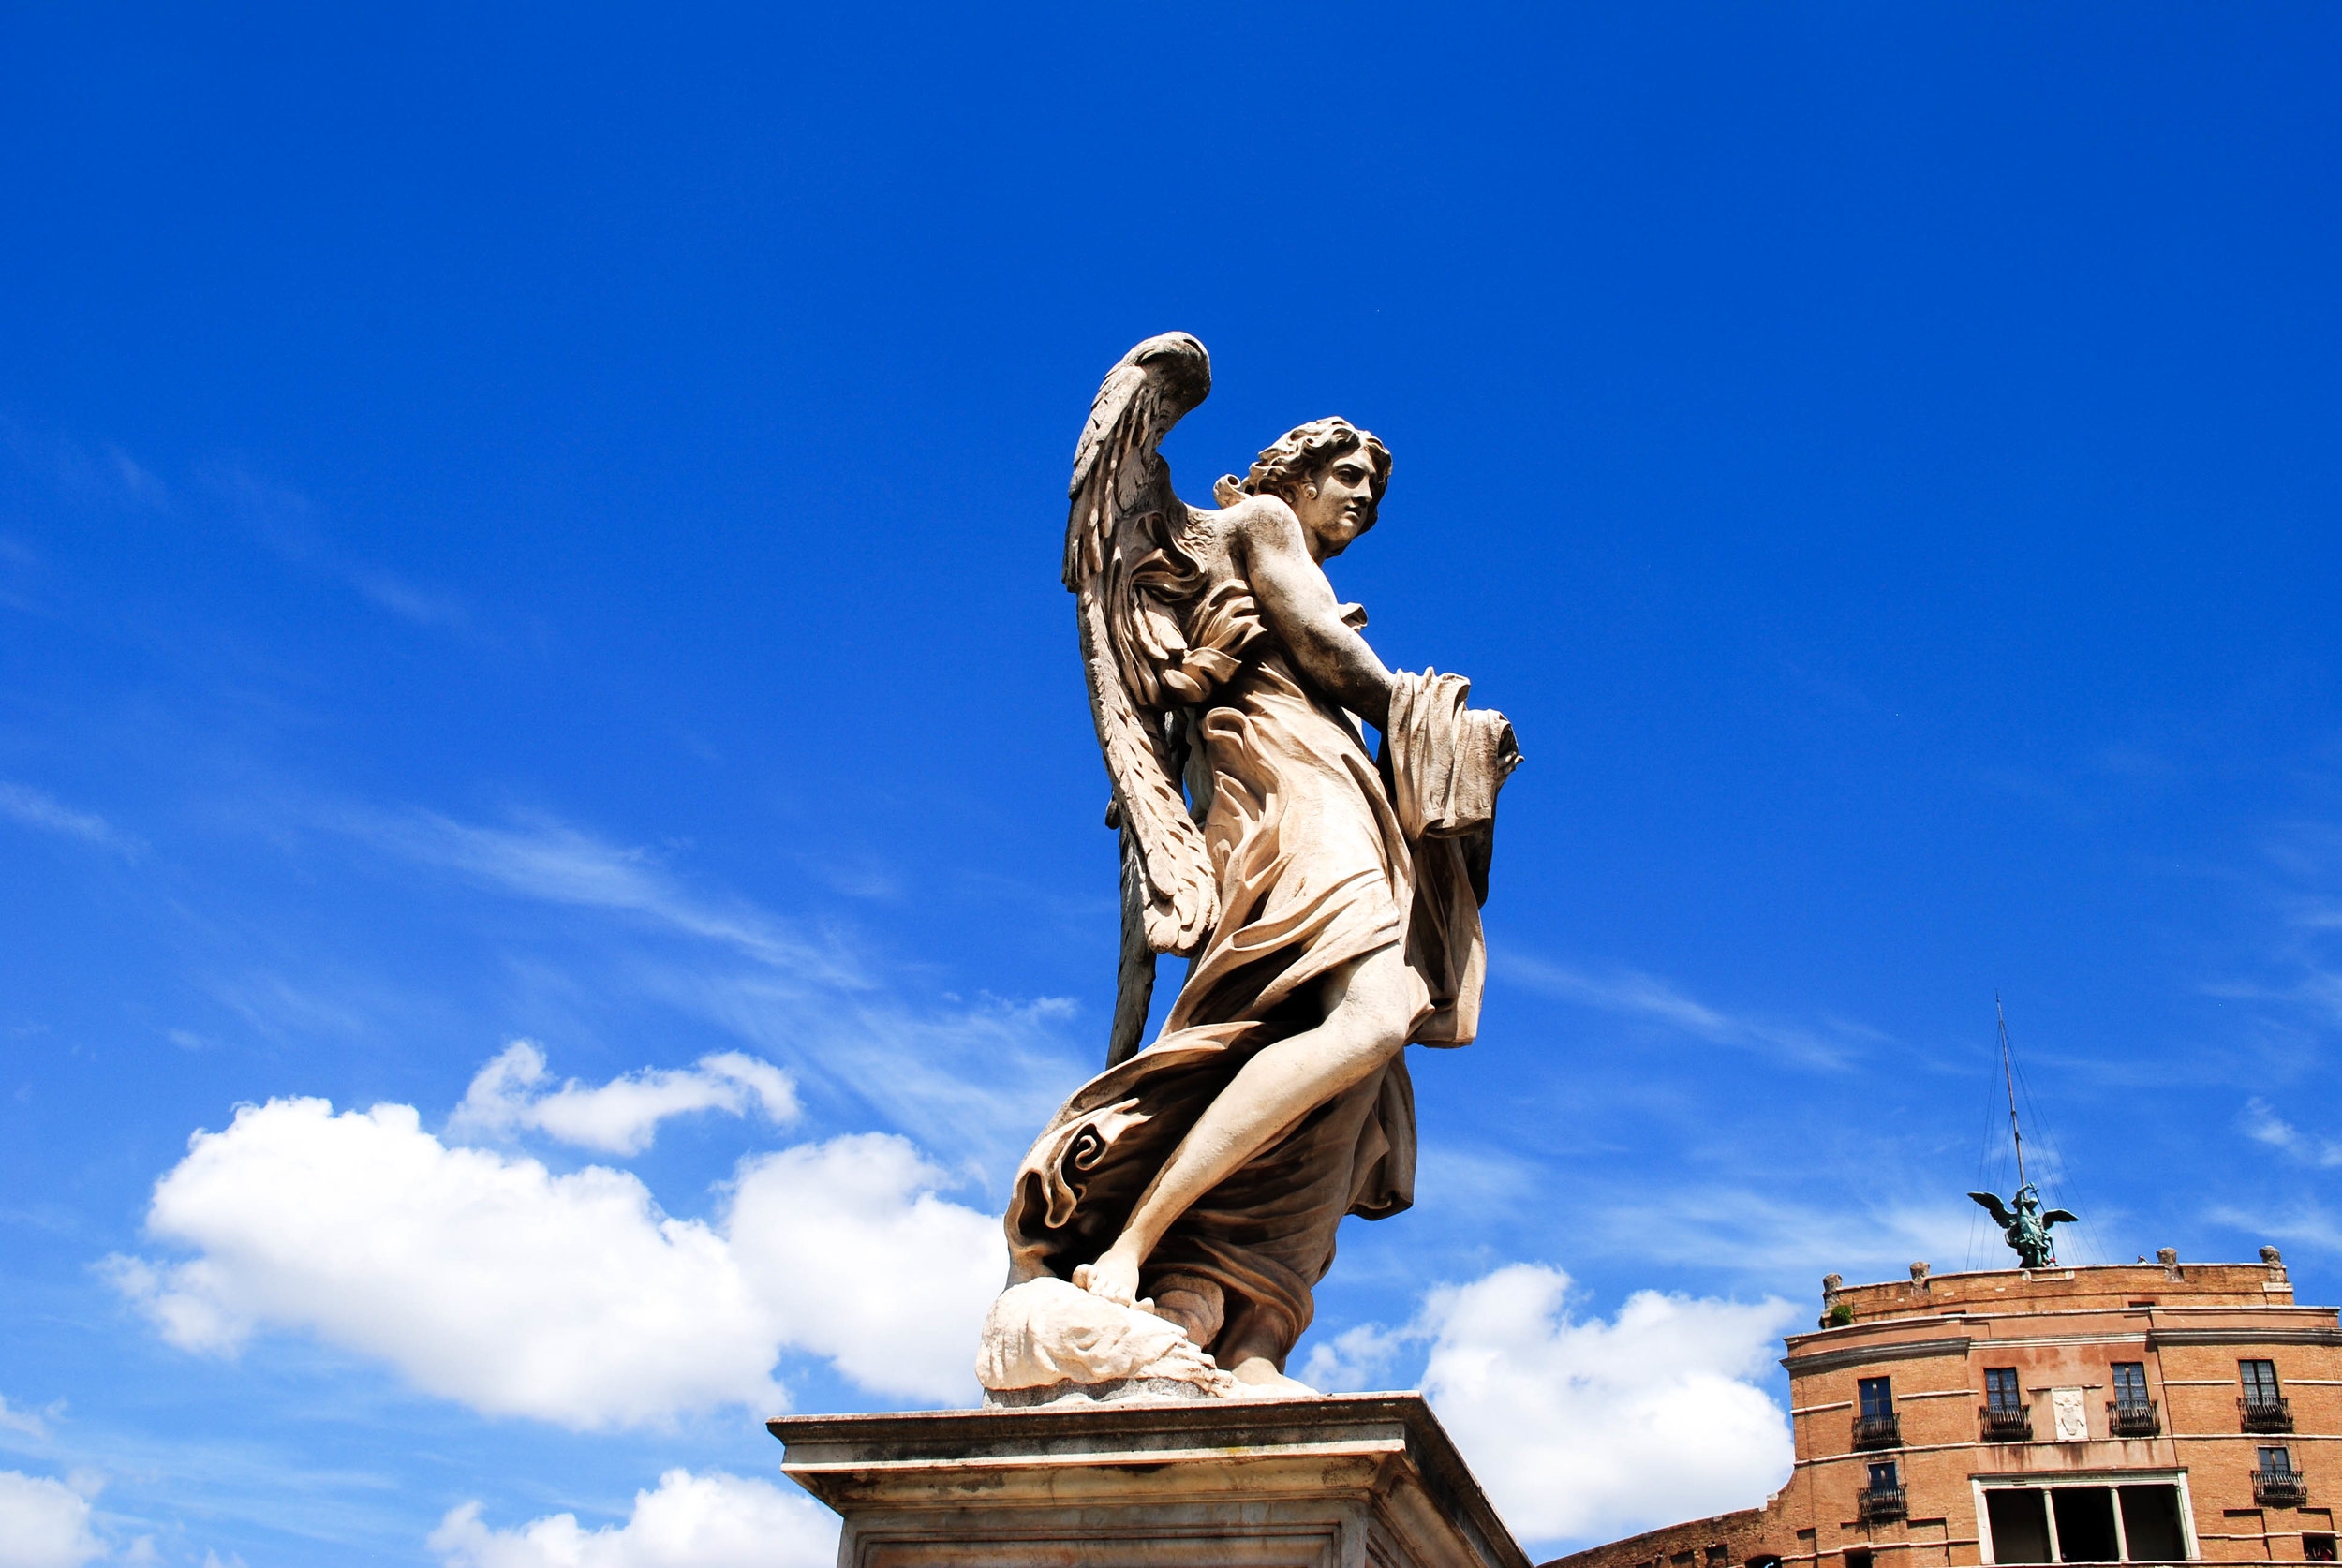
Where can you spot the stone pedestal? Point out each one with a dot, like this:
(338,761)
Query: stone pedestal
(1348,1481)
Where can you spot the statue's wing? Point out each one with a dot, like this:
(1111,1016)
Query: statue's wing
(2060,1217)
(1121,543)
(1998,1210)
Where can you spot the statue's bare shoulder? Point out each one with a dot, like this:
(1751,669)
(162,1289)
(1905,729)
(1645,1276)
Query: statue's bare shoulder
(1225,539)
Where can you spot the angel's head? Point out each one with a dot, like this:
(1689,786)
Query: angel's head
(1332,474)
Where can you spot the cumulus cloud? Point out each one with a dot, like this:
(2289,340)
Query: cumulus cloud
(1589,1431)
(43,1524)
(1598,1429)
(621,1116)
(848,1243)
(486,1279)
(691,1521)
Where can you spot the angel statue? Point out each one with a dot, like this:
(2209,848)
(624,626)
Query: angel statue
(2027,1229)
(1169,1225)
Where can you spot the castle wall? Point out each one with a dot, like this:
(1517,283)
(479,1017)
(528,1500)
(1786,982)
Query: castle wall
(1939,1481)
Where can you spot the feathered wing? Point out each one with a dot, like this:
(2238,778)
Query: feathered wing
(1125,565)
(2060,1217)
(1998,1210)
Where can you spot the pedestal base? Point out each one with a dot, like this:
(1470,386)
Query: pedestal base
(1349,1481)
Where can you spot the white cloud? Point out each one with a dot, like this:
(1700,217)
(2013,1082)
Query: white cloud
(483,1278)
(866,1265)
(622,1116)
(1591,1431)
(44,813)
(43,1524)
(691,1521)
(488,1280)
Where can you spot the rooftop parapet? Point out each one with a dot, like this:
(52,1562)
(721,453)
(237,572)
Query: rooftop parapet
(2103,1287)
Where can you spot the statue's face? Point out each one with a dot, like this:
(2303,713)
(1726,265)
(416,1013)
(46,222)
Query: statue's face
(1339,504)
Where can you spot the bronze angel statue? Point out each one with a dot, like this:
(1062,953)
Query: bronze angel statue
(2026,1226)
(1170,1223)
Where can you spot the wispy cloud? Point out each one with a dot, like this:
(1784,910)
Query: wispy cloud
(2262,1125)
(24,1421)
(1773,1236)
(45,813)
(102,476)
(1631,992)
(286,520)
(543,859)
(971,1079)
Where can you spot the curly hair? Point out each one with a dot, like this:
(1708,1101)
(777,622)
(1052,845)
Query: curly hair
(1305,451)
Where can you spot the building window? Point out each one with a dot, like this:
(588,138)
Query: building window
(1876,1427)
(2084,1524)
(1856,1557)
(2276,1483)
(2003,1415)
(2261,1405)
(2264,1407)
(2130,1414)
(1882,1499)
(2317,1548)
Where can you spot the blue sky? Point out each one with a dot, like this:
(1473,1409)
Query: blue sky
(521,526)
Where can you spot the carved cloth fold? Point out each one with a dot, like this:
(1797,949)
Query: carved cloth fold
(1323,856)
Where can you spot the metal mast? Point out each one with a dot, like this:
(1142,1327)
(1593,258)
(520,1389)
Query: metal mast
(2008,1077)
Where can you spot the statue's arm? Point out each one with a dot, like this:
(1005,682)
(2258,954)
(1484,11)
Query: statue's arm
(1298,605)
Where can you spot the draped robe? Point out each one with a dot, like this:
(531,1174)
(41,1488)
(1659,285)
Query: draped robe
(1323,855)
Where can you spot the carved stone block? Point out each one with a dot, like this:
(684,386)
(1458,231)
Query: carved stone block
(1349,1481)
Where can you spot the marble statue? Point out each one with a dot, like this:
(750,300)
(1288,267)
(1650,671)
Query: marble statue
(1167,1228)
(2027,1228)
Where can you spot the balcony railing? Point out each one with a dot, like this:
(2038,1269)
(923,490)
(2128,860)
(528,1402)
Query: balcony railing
(1880,1502)
(2006,1423)
(2280,1488)
(1879,1432)
(2266,1412)
(2132,1418)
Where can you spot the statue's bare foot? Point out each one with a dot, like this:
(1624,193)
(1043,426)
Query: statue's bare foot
(1257,1378)
(1114,1276)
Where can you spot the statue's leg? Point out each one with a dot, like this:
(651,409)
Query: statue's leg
(1370,1005)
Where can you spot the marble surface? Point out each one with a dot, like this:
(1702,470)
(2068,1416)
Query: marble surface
(1345,1481)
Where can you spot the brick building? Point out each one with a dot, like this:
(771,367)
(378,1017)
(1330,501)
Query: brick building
(2156,1412)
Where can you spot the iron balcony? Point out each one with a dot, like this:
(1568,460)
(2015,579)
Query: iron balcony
(2266,1412)
(2006,1423)
(1880,1502)
(2132,1418)
(1879,1432)
(2280,1488)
